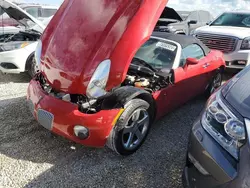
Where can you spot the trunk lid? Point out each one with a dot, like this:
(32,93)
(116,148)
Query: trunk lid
(84,33)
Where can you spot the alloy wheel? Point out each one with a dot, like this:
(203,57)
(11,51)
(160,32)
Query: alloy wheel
(136,129)
(216,82)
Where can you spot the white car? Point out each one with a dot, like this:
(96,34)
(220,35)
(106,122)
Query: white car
(229,33)
(17,48)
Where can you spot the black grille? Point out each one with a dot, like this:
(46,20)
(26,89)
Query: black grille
(226,44)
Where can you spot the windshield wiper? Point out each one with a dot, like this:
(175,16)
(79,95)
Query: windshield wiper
(144,63)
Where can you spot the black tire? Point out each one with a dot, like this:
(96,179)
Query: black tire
(116,137)
(31,66)
(213,86)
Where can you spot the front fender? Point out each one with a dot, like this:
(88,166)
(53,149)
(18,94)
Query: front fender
(120,96)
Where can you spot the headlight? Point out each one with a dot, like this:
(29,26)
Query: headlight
(14,46)
(38,54)
(167,28)
(245,43)
(228,130)
(98,82)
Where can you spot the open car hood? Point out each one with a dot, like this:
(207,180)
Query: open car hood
(84,33)
(170,13)
(19,14)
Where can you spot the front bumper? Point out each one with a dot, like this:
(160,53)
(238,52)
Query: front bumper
(219,165)
(16,59)
(65,115)
(223,171)
(233,59)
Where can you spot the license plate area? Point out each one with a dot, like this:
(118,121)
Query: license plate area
(45,119)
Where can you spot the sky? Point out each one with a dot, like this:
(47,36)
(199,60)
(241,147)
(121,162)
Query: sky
(50,2)
(214,6)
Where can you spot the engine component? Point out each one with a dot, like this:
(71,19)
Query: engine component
(142,82)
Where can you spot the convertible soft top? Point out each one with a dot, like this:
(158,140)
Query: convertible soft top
(183,40)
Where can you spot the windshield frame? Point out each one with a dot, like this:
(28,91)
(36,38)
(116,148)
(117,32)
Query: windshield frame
(176,62)
(212,23)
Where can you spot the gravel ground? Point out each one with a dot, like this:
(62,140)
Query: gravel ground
(32,157)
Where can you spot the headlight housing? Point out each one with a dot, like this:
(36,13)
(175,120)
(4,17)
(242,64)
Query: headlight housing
(98,82)
(167,28)
(38,53)
(227,129)
(14,46)
(245,44)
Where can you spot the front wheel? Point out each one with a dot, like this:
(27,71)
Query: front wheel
(31,67)
(131,129)
(215,83)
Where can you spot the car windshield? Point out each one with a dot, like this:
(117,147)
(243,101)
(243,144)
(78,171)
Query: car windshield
(233,19)
(45,23)
(157,53)
(184,14)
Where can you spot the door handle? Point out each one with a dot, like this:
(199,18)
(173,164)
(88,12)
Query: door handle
(206,65)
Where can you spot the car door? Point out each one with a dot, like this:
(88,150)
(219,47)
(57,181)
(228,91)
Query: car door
(193,16)
(196,75)
(190,80)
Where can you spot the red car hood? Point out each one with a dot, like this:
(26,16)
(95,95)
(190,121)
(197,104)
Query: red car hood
(83,33)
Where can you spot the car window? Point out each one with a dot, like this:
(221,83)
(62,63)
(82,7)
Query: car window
(48,12)
(204,17)
(159,54)
(194,51)
(34,11)
(193,16)
(233,19)
(182,59)
(184,14)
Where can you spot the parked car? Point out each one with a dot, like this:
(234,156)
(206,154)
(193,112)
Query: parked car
(182,22)
(229,33)
(218,150)
(17,47)
(108,84)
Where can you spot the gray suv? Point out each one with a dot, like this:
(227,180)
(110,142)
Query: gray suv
(182,22)
(219,145)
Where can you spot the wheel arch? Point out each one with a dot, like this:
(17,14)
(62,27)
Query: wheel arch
(222,68)
(180,32)
(28,59)
(120,96)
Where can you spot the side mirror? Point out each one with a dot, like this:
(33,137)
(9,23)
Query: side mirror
(191,61)
(192,22)
(208,23)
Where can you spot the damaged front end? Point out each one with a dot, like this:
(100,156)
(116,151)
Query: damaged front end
(140,81)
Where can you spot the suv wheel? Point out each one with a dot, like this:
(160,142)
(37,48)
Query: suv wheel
(216,83)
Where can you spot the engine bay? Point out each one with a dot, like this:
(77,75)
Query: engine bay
(143,77)
(20,36)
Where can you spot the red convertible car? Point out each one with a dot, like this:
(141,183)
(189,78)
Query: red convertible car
(105,77)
